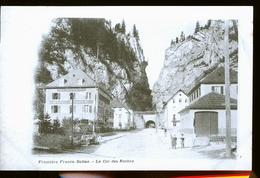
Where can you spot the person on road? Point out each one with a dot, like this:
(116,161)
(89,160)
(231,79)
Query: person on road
(182,141)
(174,141)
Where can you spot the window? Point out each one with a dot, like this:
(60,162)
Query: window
(70,109)
(218,89)
(81,81)
(173,101)
(88,109)
(55,96)
(120,109)
(180,94)
(72,95)
(88,95)
(120,115)
(180,100)
(186,100)
(55,109)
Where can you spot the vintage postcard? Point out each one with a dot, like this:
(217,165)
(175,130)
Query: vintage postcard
(126,88)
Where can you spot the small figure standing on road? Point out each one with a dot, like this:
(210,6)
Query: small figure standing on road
(182,141)
(165,132)
(174,141)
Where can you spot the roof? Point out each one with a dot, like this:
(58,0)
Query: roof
(75,78)
(180,90)
(217,77)
(117,104)
(212,100)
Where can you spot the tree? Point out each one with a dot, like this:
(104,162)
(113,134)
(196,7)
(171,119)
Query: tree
(123,27)
(44,124)
(182,37)
(135,32)
(177,40)
(139,97)
(172,42)
(197,28)
(56,127)
(208,24)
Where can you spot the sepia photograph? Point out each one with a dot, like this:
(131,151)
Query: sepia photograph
(126,88)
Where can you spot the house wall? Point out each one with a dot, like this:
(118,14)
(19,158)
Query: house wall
(86,106)
(139,121)
(187,120)
(206,88)
(63,103)
(177,103)
(121,115)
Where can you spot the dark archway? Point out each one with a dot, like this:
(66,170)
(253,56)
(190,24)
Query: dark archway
(150,124)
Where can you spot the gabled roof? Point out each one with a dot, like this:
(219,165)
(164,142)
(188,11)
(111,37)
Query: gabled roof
(180,90)
(212,100)
(117,104)
(217,77)
(72,80)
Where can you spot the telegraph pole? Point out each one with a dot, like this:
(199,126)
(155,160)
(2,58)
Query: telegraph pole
(72,111)
(227,94)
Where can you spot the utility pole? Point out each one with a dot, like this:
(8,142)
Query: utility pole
(72,111)
(227,94)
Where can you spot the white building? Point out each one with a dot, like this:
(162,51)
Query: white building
(90,101)
(171,108)
(206,115)
(123,116)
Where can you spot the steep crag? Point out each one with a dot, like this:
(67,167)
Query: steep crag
(108,55)
(190,60)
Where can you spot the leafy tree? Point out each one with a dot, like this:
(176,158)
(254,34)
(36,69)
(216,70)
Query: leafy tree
(38,102)
(42,74)
(66,125)
(139,97)
(177,40)
(118,27)
(197,28)
(56,126)
(44,124)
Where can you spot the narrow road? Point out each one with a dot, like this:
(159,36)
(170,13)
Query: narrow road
(144,144)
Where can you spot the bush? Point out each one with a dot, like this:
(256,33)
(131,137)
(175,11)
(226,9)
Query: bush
(52,141)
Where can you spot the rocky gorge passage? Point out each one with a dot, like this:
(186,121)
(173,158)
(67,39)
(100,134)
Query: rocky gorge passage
(190,60)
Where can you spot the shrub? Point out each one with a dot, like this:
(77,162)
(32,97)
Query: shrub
(52,141)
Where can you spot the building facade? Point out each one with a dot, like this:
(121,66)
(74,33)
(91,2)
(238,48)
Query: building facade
(206,115)
(123,116)
(89,101)
(171,108)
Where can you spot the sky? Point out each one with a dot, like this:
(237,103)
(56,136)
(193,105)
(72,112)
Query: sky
(157,26)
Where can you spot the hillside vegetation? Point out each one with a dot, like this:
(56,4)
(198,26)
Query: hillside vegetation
(107,54)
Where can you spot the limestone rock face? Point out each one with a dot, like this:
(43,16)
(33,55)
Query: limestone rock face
(109,75)
(190,60)
(112,58)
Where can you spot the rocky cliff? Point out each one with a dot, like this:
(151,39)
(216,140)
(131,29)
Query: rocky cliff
(112,58)
(189,60)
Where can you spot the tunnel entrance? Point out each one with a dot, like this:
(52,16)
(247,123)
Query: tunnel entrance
(150,124)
